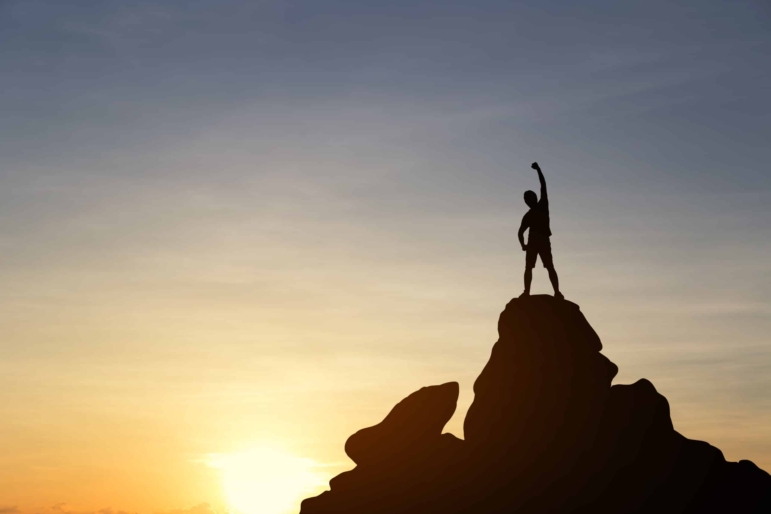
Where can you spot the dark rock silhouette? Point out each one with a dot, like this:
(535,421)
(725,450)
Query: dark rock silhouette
(415,422)
(546,433)
(404,460)
(546,375)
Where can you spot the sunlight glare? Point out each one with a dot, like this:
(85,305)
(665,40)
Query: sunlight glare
(266,480)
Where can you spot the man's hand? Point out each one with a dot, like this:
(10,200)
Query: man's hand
(524,248)
(535,166)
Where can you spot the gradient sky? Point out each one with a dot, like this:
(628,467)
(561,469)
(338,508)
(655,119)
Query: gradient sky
(234,224)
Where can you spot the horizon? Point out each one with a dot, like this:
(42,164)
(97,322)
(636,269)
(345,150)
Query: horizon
(237,233)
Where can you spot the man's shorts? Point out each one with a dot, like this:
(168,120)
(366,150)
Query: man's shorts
(536,246)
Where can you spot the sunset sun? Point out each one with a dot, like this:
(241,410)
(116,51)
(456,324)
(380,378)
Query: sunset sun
(266,480)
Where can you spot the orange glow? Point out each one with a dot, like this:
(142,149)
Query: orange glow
(266,480)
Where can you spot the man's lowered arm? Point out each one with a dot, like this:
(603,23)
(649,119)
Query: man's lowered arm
(521,233)
(544,196)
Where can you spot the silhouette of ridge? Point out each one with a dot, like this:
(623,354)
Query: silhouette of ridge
(546,433)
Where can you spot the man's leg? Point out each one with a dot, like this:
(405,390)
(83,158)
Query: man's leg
(548,263)
(531,255)
(528,280)
(555,282)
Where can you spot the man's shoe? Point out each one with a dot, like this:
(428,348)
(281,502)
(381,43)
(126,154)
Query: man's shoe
(559,296)
(524,294)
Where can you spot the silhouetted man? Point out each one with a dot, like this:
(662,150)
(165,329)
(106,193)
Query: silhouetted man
(538,242)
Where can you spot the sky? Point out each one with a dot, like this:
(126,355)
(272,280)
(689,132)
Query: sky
(233,233)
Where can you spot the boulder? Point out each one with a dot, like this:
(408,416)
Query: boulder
(414,422)
(404,463)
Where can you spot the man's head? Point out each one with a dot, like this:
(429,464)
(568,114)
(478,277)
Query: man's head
(531,199)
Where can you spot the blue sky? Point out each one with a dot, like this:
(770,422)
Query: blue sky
(296,213)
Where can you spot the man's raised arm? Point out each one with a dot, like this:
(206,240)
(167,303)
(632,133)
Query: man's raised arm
(544,196)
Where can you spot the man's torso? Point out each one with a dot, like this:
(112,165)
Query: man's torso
(538,220)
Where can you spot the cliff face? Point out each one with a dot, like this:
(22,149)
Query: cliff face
(546,383)
(546,433)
